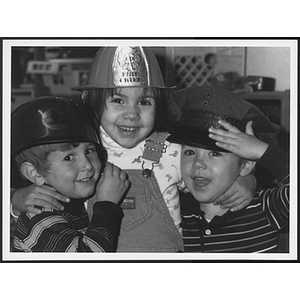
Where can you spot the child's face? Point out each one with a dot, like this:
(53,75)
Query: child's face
(208,173)
(129,116)
(74,173)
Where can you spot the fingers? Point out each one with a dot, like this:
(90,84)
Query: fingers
(113,184)
(111,170)
(50,203)
(225,133)
(223,136)
(239,195)
(238,207)
(108,168)
(228,126)
(226,200)
(25,199)
(40,204)
(32,209)
(224,142)
(115,173)
(54,195)
(233,203)
(249,129)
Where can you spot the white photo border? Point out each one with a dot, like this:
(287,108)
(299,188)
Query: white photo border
(7,45)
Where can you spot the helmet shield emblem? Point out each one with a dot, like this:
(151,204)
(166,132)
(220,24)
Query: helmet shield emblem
(130,67)
(54,119)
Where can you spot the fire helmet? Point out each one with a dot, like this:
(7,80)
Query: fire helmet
(125,66)
(49,120)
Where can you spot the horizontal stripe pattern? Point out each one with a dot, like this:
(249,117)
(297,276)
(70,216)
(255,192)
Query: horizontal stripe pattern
(253,229)
(55,231)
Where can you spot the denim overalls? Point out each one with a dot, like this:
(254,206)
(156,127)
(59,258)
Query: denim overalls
(147,225)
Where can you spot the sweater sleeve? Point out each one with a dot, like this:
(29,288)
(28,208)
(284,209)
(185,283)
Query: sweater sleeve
(276,161)
(276,203)
(53,232)
(276,200)
(106,222)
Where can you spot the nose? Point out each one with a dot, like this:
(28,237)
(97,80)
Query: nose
(199,162)
(131,113)
(86,164)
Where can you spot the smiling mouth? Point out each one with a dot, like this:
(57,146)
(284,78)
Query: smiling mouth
(126,129)
(85,179)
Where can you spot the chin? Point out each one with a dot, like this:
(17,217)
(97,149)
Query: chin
(85,195)
(127,144)
(88,195)
(204,198)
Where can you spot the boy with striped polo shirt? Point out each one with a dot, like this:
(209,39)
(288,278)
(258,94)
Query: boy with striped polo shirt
(209,168)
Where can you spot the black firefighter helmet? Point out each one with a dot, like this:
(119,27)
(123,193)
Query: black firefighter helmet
(50,120)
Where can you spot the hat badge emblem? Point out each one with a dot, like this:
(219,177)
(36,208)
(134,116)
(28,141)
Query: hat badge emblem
(53,119)
(129,67)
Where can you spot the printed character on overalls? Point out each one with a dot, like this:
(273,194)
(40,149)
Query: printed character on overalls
(151,209)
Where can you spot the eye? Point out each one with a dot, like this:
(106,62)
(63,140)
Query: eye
(116,99)
(149,101)
(215,154)
(69,157)
(90,150)
(189,152)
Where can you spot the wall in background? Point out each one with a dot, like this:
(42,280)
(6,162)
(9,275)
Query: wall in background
(270,62)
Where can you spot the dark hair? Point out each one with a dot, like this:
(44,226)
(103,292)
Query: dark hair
(95,103)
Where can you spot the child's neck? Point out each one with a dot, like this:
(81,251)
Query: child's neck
(75,206)
(212,210)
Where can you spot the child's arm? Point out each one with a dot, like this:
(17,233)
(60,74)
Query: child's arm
(52,232)
(246,145)
(25,199)
(102,232)
(239,195)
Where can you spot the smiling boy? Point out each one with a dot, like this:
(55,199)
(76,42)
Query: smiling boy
(218,145)
(208,173)
(54,144)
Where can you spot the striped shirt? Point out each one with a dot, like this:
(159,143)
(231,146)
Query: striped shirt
(252,229)
(69,230)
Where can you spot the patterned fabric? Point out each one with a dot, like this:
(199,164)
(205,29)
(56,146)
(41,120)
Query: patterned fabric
(203,120)
(167,171)
(69,230)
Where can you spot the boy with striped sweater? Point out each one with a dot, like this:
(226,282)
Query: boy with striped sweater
(55,145)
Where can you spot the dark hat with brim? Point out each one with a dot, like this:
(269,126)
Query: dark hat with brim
(193,129)
(199,108)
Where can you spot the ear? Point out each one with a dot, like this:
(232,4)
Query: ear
(30,172)
(247,167)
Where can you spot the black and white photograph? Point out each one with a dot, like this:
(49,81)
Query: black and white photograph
(121,152)
(142,149)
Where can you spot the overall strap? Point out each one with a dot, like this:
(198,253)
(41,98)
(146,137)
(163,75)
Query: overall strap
(155,146)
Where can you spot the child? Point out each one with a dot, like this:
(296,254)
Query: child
(54,144)
(124,95)
(209,168)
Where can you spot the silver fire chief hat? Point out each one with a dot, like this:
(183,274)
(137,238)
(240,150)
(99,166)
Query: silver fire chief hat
(124,66)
